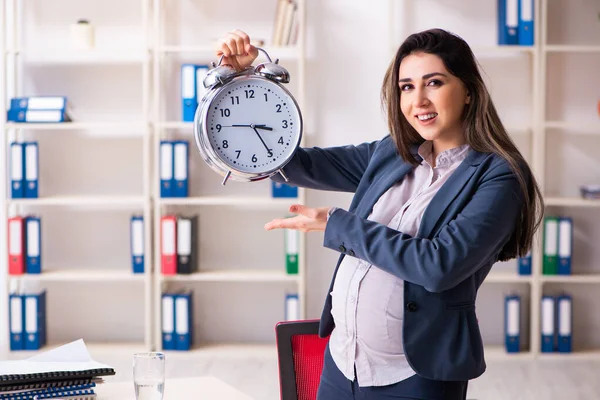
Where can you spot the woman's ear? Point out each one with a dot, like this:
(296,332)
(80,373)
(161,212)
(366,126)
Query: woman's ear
(468,99)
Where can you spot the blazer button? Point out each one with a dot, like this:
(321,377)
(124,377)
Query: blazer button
(411,306)
(351,253)
(342,248)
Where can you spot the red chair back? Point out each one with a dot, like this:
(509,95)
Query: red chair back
(300,356)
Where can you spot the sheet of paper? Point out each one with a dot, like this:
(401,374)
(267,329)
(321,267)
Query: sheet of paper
(70,357)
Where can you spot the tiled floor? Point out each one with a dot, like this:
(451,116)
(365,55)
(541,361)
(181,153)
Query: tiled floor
(256,375)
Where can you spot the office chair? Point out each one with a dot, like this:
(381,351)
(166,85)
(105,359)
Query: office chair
(300,358)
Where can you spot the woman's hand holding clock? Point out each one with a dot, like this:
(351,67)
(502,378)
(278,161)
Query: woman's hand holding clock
(238,51)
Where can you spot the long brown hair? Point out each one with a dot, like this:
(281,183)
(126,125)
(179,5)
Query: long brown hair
(483,130)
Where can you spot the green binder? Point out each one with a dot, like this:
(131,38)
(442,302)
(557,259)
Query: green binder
(291,251)
(550,263)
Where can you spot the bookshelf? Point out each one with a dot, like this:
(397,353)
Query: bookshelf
(152,52)
(560,120)
(242,272)
(84,169)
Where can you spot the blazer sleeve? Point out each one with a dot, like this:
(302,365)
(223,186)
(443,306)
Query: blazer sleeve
(461,247)
(333,168)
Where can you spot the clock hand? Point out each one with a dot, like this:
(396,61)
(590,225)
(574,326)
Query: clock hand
(263,127)
(261,139)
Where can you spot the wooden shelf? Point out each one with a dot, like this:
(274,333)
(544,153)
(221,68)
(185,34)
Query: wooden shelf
(208,52)
(79,57)
(234,276)
(570,202)
(70,126)
(554,48)
(576,128)
(227,351)
(176,125)
(133,201)
(591,354)
(577,278)
(507,277)
(498,352)
(248,201)
(80,275)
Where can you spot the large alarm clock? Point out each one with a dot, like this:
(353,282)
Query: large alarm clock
(248,125)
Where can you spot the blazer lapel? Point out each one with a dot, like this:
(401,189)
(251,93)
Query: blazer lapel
(392,174)
(448,192)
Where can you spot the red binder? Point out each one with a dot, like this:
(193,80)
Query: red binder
(168,244)
(16,244)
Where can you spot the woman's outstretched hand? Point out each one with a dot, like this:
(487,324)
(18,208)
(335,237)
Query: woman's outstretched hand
(307,219)
(238,51)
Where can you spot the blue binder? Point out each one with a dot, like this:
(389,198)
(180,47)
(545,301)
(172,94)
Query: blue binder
(33,245)
(526,25)
(548,324)
(189,101)
(137,243)
(168,321)
(40,116)
(39,103)
(183,321)
(565,323)
(292,307)
(35,320)
(512,323)
(180,168)
(565,245)
(31,169)
(280,190)
(17,170)
(525,264)
(166,168)
(15,316)
(508,22)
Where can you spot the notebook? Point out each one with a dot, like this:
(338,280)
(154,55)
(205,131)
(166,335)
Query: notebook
(67,365)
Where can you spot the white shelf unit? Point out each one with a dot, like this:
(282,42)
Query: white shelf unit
(62,277)
(536,137)
(208,198)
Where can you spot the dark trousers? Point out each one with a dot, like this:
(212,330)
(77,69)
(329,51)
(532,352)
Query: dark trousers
(335,386)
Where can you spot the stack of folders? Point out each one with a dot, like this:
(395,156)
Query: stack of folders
(192,89)
(27,320)
(512,323)
(24,245)
(39,109)
(136,238)
(292,307)
(515,22)
(282,190)
(558,246)
(24,170)
(174,168)
(177,323)
(67,372)
(557,323)
(179,238)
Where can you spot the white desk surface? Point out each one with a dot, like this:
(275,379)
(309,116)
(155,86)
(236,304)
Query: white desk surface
(204,387)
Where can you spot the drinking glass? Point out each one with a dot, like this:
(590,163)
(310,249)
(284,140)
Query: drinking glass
(149,375)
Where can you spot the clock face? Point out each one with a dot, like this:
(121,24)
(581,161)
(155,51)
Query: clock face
(253,125)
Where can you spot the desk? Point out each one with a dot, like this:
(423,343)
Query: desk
(204,387)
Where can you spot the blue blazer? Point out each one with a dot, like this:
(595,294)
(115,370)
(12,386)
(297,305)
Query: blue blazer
(462,232)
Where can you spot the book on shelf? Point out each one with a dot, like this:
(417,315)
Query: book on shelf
(177,320)
(65,372)
(286,24)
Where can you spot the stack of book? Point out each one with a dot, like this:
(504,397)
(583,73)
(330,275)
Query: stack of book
(67,372)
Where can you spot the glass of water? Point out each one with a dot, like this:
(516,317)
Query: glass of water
(149,375)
